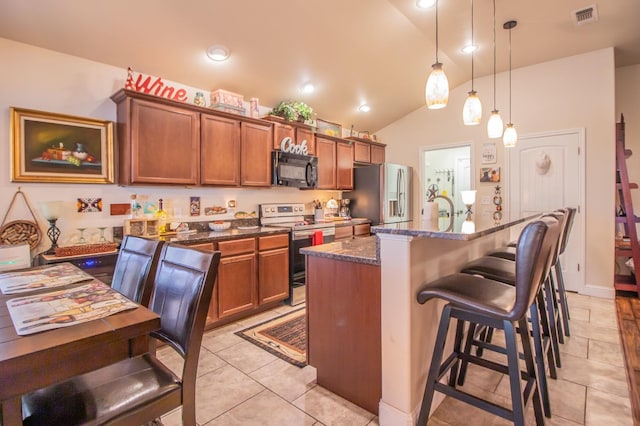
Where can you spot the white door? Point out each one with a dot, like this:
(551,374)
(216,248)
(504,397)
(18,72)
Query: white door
(546,173)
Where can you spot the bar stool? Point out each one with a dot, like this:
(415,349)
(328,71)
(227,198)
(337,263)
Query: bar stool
(560,288)
(494,304)
(545,341)
(560,324)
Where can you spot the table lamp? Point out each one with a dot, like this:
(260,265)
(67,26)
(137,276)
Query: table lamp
(52,210)
(468,198)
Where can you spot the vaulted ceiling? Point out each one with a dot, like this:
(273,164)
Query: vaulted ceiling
(354,51)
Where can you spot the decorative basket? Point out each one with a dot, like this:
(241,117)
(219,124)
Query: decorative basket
(20,231)
(85,249)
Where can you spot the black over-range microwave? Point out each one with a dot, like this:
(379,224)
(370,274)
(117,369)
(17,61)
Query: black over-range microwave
(300,171)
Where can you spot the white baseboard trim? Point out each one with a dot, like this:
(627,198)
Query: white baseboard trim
(598,291)
(391,416)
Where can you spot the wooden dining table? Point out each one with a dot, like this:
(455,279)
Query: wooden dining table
(38,360)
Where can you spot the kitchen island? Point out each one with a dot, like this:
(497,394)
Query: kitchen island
(405,256)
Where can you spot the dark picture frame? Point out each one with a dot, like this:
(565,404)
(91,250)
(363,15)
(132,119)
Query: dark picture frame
(59,148)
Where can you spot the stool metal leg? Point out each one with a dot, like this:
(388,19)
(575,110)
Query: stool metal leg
(434,369)
(532,379)
(562,294)
(552,314)
(539,358)
(517,402)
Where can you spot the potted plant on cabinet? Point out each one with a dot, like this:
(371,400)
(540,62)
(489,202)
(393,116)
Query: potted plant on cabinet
(293,111)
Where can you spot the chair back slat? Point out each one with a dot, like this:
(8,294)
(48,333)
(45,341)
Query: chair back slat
(135,268)
(533,260)
(182,292)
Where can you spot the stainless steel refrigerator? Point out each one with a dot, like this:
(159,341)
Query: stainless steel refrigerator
(381,193)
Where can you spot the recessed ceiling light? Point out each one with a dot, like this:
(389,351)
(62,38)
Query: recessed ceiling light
(469,48)
(218,53)
(307,87)
(425,4)
(364,108)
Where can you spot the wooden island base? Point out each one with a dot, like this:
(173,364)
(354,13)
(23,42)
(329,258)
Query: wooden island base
(343,335)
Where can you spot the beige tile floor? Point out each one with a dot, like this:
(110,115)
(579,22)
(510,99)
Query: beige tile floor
(241,384)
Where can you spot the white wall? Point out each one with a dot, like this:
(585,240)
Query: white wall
(573,92)
(44,80)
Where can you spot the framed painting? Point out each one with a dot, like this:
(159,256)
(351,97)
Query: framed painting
(57,148)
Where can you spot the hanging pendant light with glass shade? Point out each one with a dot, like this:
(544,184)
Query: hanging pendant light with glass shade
(437,90)
(472,108)
(494,125)
(510,137)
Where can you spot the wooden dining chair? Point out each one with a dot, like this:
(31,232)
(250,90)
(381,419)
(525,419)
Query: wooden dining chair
(138,390)
(136,267)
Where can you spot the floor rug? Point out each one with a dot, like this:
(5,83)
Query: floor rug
(284,336)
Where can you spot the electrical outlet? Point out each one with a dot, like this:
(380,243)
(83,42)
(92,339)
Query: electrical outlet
(486,213)
(485,200)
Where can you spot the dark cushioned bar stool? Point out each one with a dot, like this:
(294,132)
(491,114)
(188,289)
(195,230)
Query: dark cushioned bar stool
(494,304)
(545,336)
(559,294)
(140,389)
(562,293)
(551,290)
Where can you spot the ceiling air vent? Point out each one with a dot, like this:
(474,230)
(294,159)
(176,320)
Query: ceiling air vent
(586,15)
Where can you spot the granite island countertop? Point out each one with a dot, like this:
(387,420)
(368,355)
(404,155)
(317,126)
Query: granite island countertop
(418,228)
(358,250)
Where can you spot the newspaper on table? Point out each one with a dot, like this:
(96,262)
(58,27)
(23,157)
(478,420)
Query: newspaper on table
(35,279)
(64,308)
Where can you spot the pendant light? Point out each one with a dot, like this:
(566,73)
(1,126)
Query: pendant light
(472,109)
(494,125)
(510,137)
(437,90)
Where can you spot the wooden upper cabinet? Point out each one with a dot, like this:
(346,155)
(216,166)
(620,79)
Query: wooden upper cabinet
(326,152)
(297,135)
(281,131)
(255,158)
(344,165)
(220,151)
(159,143)
(305,134)
(361,152)
(377,154)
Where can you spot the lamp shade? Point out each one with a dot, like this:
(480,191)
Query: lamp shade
(437,90)
(468,197)
(472,109)
(495,125)
(510,137)
(51,209)
(468,227)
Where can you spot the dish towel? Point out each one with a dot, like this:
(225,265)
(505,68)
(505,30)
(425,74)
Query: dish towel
(317,238)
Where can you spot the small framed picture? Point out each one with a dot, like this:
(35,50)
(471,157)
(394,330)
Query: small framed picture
(490,174)
(489,153)
(194,206)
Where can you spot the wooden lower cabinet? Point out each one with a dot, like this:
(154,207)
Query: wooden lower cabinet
(344,338)
(253,272)
(273,275)
(343,233)
(362,230)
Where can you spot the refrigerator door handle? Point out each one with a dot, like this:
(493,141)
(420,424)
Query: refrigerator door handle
(401,194)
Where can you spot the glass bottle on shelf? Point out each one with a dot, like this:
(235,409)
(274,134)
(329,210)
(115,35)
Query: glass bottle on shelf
(161,215)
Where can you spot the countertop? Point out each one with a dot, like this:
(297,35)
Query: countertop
(358,250)
(228,234)
(420,229)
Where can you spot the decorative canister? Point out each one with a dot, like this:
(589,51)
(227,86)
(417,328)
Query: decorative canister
(199,99)
(254,110)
